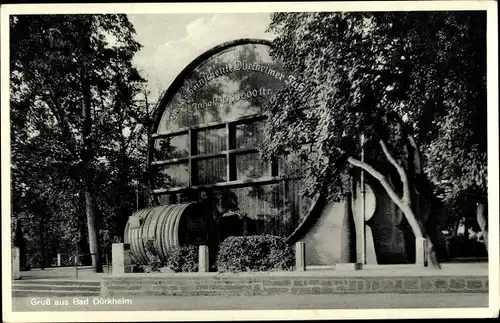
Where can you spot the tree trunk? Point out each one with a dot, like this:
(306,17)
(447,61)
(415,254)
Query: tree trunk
(42,241)
(20,243)
(404,207)
(482,220)
(92,227)
(88,174)
(433,260)
(456,226)
(404,202)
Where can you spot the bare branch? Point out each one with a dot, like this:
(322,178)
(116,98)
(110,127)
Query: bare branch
(407,130)
(402,173)
(405,208)
(380,177)
(132,138)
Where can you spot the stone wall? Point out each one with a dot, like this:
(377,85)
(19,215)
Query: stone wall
(185,285)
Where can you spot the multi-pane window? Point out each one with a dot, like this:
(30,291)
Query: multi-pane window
(211,154)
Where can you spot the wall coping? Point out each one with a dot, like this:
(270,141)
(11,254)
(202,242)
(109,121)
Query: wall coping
(313,273)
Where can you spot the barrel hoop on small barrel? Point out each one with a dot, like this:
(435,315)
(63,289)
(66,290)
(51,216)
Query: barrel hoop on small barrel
(158,232)
(140,245)
(160,225)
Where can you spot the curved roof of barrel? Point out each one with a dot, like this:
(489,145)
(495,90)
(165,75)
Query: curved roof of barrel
(179,80)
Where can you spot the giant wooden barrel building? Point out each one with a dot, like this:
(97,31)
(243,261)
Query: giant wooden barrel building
(204,151)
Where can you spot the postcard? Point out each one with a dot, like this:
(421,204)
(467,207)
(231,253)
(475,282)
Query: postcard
(249,161)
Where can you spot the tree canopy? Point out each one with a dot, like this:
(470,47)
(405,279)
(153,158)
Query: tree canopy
(361,71)
(76,111)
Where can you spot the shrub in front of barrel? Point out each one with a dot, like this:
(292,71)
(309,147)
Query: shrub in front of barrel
(183,259)
(255,253)
(154,262)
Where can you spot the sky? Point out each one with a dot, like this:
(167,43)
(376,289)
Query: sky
(171,41)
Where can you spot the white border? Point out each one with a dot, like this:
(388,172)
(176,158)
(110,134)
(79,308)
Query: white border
(156,8)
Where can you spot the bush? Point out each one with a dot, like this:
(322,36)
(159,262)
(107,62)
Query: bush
(255,253)
(154,262)
(179,259)
(183,259)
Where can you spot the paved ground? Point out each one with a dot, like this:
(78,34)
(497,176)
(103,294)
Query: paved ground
(279,302)
(469,269)
(84,273)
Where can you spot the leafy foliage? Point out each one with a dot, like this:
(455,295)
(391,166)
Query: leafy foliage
(183,258)
(254,253)
(385,75)
(155,263)
(179,259)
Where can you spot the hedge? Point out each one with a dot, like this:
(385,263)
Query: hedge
(254,253)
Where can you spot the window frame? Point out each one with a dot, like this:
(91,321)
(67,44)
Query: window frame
(229,154)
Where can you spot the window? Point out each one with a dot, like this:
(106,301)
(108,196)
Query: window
(171,147)
(210,171)
(211,141)
(249,135)
(249,166)
(175,175)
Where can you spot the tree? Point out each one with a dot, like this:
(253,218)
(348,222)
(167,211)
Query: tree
(458,160)
(43,205)
(456,154)
(379,76)
(45,202)
(125,170)
(68,69)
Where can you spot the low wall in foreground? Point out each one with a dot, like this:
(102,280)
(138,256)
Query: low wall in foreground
(273,284)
